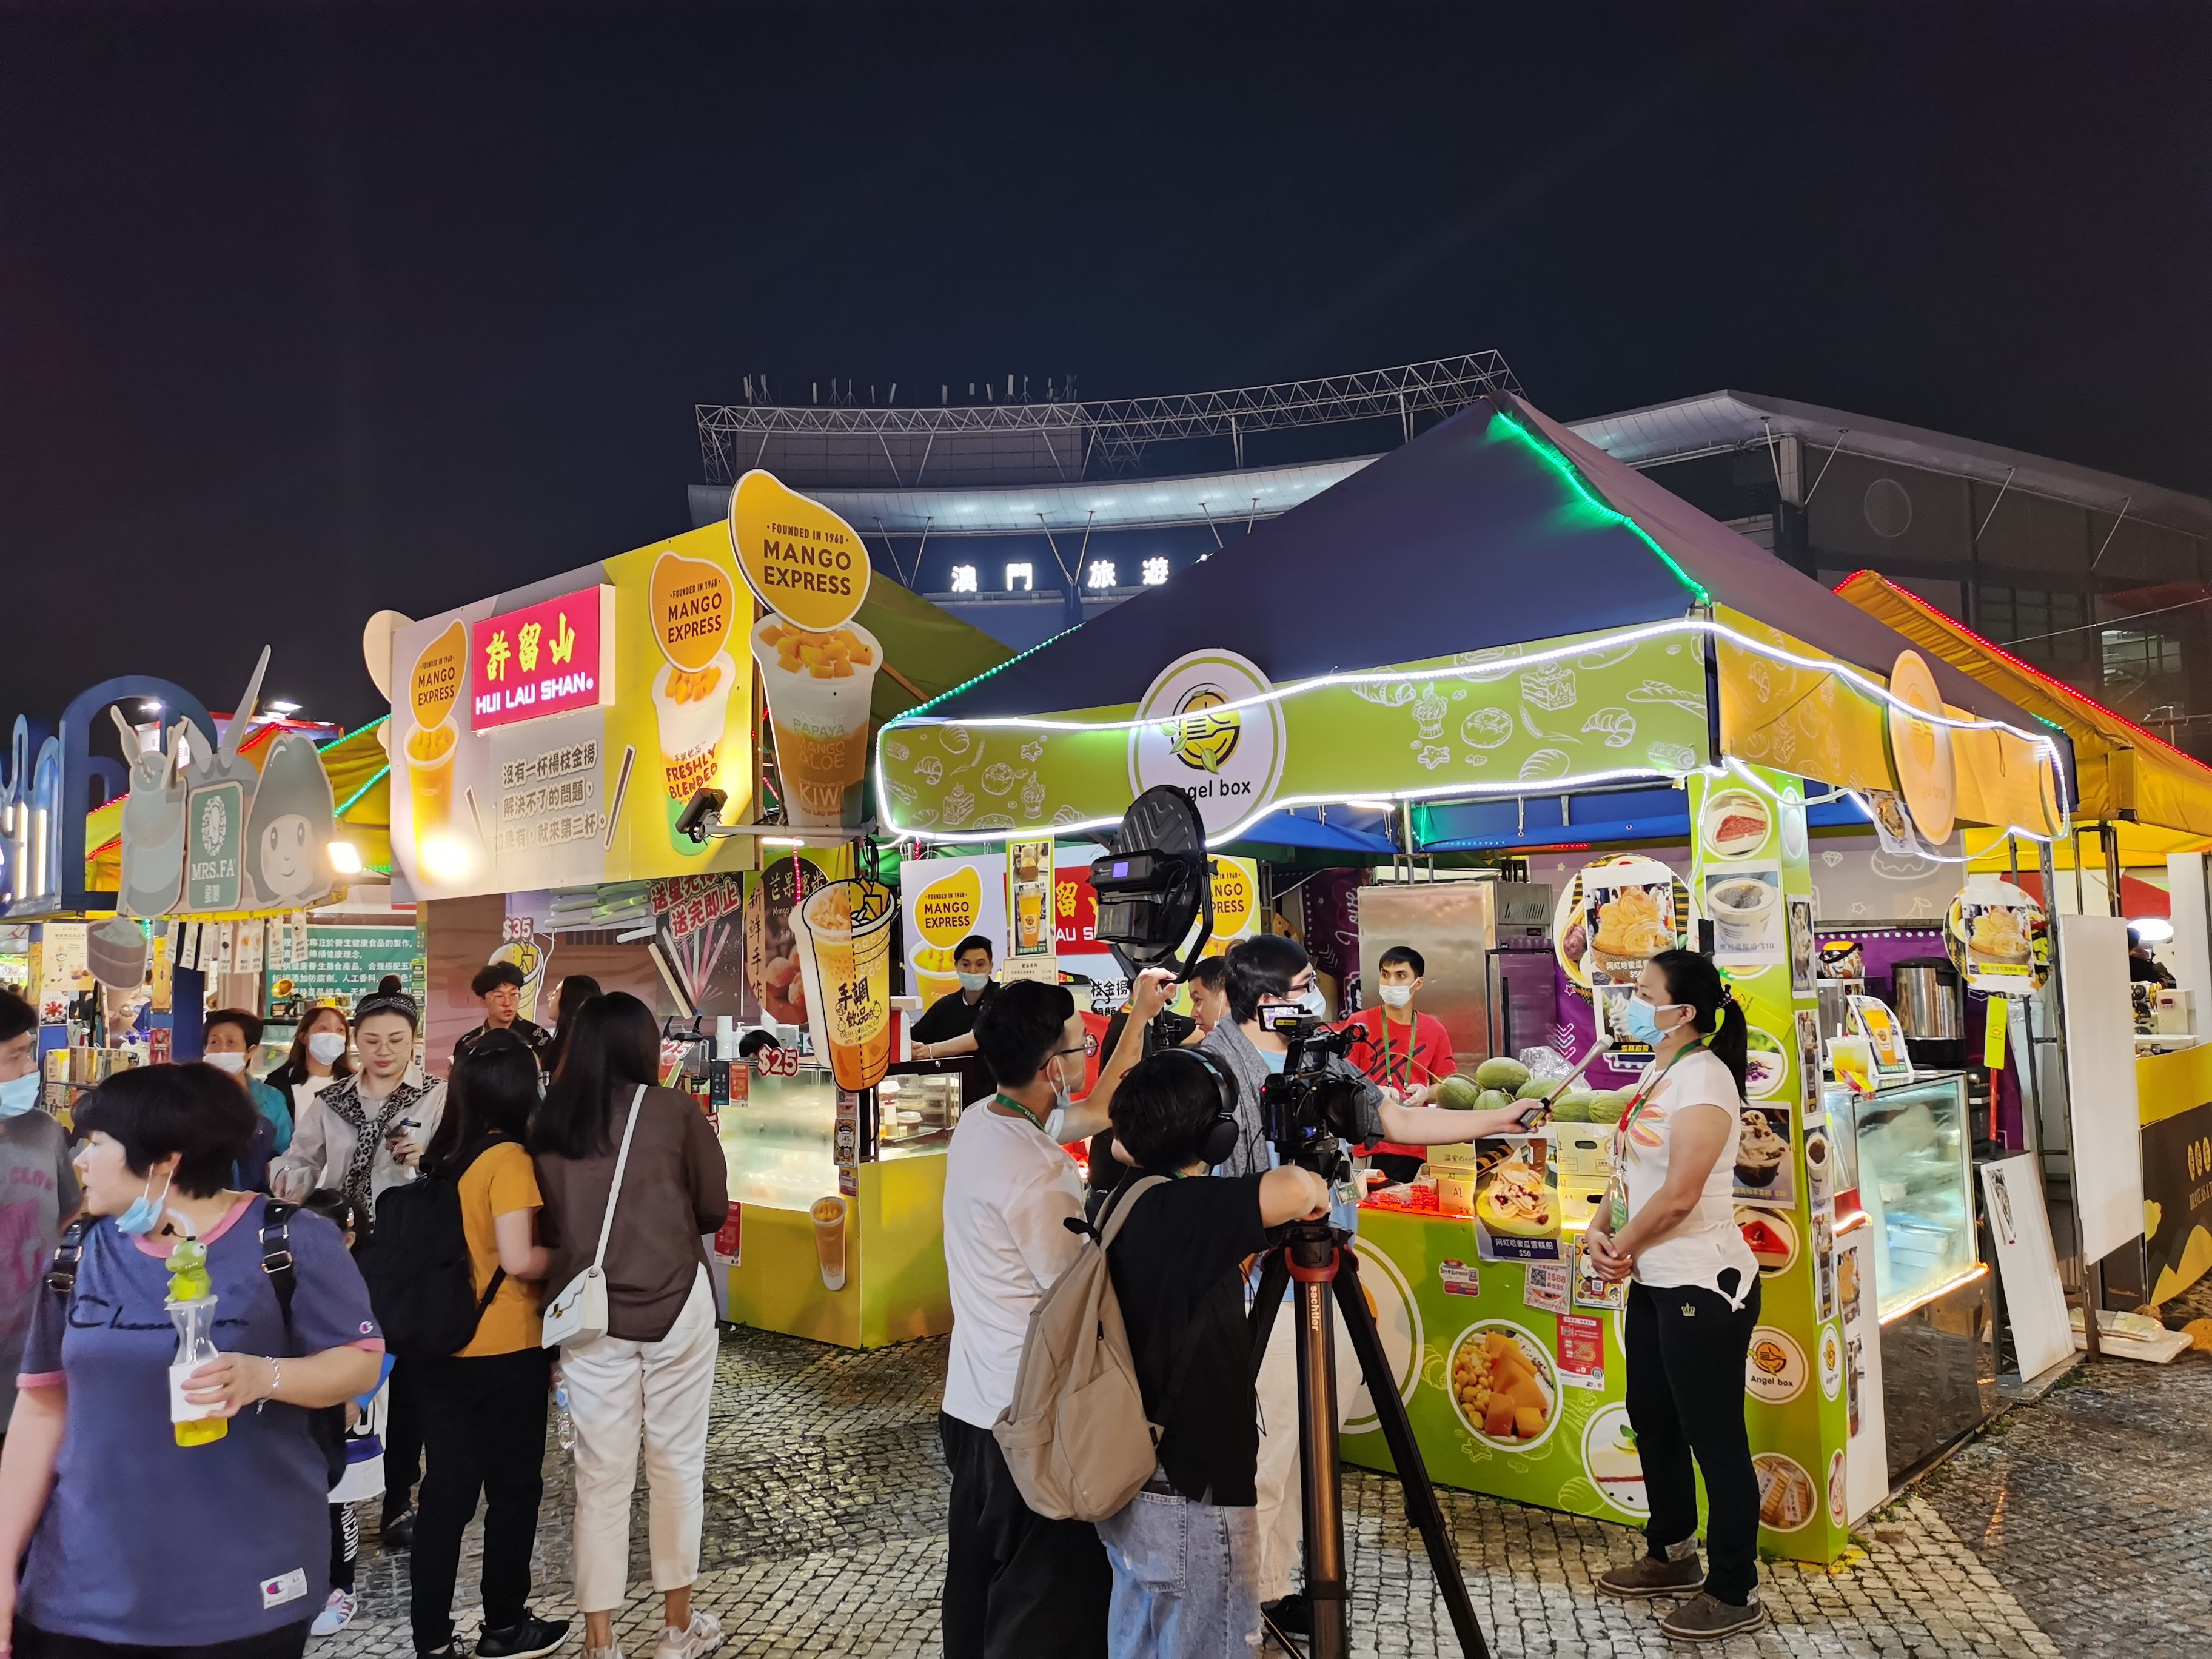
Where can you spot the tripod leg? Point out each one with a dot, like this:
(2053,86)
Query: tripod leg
(1267,1300)
(1421,1506)
(1320,1474)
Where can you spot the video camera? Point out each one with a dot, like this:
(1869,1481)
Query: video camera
(1310,1109)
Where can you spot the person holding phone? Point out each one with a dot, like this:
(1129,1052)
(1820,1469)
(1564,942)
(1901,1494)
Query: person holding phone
(1667,1228)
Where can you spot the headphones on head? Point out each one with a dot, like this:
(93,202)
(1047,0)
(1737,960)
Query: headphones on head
(1222,1132)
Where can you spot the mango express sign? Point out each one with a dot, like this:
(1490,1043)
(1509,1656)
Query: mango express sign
(801,560)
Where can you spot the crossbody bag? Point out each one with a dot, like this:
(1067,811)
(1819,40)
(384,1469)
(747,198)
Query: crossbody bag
(578,1314)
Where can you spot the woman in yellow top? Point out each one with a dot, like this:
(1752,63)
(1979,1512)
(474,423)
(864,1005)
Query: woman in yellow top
(484,1409)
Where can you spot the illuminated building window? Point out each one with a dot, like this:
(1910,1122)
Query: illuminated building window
(963,579)
(1156,572)
(1019,578)
(1101,573)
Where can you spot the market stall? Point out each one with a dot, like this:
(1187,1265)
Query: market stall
(649,770)
(1657,703)
(2144,807)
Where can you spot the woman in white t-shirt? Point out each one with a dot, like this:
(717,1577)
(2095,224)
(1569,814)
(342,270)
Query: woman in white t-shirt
(1669,1227)
(317,1059)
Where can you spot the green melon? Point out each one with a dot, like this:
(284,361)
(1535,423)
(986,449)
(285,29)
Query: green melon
(1573,1107)
(1536,1088)
(1493,1100)
(1499,1072)
(1459,1092)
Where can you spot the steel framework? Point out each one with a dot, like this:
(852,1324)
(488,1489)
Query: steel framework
(1113,433)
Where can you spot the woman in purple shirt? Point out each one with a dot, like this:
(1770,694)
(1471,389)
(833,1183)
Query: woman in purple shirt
(129,1541)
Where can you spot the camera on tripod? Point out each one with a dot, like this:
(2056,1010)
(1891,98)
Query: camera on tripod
(1309,1109)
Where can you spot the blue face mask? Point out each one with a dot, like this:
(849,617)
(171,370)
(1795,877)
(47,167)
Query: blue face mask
(1639,1020)
(19,1094)
(143,1213)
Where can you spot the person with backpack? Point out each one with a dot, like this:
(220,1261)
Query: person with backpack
(1017,1582)
(130,1540)
(632,1175)
(455,1266)
(1186,1548)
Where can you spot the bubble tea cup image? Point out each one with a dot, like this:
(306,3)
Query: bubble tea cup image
(848,929)
(430,751)
(819,688)
(829,1215)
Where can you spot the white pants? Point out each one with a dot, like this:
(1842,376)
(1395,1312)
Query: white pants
(1282,1504)
(617,1388)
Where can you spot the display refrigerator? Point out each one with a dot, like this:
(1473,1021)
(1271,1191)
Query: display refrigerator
(1904,1185)
(837,1230)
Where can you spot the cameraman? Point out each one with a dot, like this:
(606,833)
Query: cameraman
(1272,975)
(1186,1549)
(1209,1002)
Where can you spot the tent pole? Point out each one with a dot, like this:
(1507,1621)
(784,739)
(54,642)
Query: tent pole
(2090,1296)
(2109,832)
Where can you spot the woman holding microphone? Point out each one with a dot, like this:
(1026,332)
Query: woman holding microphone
(1667,1227)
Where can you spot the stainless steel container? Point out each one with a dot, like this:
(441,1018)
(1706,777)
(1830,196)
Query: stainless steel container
(1925,991)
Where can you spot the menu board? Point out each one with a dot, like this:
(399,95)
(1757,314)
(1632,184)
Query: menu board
(343,965)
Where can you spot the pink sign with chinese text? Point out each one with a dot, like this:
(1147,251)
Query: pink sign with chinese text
(552,658)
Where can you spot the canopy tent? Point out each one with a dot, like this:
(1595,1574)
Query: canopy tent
(1495,529)
(2126,773)
(2141,845)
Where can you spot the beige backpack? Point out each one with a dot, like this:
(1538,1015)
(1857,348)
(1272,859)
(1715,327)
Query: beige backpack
(1076,1437)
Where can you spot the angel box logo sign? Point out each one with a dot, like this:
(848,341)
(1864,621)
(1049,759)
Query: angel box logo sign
(1193,734)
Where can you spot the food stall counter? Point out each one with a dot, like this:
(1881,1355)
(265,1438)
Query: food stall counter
(2173,1094)
(873,1224)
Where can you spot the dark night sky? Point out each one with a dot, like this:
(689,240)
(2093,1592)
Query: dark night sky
(313,310)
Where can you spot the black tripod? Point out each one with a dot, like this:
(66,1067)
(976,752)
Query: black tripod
(1313,1255)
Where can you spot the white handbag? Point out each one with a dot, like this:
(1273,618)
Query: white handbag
(578,1314)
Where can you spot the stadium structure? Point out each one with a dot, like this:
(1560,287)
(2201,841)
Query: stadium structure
(1026,518)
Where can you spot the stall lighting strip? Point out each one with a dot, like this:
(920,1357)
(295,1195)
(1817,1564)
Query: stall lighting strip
(1478,673)
(1566,469)
(375,778)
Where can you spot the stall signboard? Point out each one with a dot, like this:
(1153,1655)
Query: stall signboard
(844,930)
(553,656)
(511,773)
(1032,905)
(810,571)
(1549,717)
(947,899)
(344,964)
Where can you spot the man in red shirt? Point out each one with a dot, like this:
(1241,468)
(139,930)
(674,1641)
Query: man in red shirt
(1407,1053)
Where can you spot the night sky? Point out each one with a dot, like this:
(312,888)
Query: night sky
(310,310)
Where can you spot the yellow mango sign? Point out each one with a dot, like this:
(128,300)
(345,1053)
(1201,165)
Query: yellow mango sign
(434,684)
(694,609)
(1232,898)
(801,560)
(946,912)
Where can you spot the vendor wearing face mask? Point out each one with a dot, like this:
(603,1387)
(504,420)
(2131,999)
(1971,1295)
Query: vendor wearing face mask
(1407,1053)
(231,1041)
(947,1030)
(1268,974)
(317,1059)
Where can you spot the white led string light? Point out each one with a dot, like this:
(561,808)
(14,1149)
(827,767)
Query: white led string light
(1478,672)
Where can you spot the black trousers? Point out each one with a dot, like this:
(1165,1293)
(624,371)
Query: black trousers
(483,1431)
(403,1441)
(1686,1358)
(1016,1584)
(32,1642)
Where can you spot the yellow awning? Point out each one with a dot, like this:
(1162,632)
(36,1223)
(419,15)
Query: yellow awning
(2141,845)
(2121,768)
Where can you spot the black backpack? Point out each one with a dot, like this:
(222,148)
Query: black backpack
(417,1263)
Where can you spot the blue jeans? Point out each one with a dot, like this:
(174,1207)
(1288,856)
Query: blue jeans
(1186,1578)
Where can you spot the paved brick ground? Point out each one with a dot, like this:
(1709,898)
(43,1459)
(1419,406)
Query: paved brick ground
(2077,1529)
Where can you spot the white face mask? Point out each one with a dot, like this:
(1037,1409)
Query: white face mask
(326,1047)
(974,981)
(1395,996)
(233,1064)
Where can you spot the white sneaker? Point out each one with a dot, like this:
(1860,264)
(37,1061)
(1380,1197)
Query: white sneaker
(704,1635)
(337,1613)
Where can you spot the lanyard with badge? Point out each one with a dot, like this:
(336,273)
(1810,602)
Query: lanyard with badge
(1637,1103)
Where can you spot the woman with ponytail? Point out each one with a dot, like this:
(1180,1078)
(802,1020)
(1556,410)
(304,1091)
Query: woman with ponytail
(1667,1227)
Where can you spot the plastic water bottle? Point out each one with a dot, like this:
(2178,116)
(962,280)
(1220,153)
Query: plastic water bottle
(564,1426)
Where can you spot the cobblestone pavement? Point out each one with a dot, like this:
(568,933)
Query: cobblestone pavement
(825,1498)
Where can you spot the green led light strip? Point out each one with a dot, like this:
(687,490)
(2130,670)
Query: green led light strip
(923,708)
(375,778)
(1567,469)
(356,732)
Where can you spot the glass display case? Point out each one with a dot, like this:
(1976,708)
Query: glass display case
(779,1141)
(1909,1154)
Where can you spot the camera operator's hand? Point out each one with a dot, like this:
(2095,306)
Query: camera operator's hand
(1150,994)
(1291,1194)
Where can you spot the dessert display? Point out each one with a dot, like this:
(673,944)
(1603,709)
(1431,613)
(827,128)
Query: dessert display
(1502,1385)
(1736,822)
(1515,1199)
(1632,926)
(1773,1240)
(1785,1493)
(1759,1152)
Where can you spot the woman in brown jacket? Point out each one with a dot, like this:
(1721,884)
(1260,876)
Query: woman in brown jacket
(653,1373)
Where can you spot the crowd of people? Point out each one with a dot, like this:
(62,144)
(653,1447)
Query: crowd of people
(154,1497)
(160,1502)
